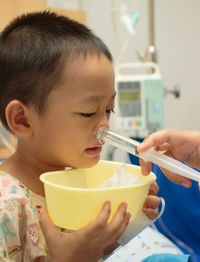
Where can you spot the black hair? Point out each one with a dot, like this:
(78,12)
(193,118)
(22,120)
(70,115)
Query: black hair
(33,51)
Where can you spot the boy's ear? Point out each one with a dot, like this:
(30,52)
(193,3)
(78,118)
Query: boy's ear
(17,115)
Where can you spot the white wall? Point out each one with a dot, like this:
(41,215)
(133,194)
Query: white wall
(178,41)
(177,38)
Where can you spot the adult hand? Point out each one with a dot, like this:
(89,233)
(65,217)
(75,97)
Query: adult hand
(87,244)
(181,145)
(152,202)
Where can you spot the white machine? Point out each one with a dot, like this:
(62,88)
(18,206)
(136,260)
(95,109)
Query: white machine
(139,103)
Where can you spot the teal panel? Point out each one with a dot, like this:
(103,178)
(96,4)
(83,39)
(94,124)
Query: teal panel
(154,100)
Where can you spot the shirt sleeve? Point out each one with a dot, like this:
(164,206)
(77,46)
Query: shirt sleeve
(11,214)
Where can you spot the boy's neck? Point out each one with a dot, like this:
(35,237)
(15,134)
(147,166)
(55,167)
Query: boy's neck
(26,171)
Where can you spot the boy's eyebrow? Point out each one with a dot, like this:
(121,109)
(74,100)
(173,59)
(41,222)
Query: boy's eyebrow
(94,99)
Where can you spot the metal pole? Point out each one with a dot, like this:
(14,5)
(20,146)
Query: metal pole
(151,51)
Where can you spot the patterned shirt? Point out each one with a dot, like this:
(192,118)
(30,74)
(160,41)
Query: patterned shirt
(21,238)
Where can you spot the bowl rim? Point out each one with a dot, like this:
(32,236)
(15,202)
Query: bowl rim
(151,177)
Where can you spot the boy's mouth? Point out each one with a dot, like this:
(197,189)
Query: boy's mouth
(94,150)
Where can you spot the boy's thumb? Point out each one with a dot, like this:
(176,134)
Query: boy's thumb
(48,228)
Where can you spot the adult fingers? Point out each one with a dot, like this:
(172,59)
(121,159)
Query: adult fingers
(151,213)
(150,206)
(145,167)
(163,147)
(152,202)
(156,139)
(177,179)
(153,189)
(146,144)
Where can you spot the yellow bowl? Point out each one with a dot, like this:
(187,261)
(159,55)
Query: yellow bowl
(73,199)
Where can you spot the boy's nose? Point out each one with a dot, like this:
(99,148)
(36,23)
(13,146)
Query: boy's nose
(103,123)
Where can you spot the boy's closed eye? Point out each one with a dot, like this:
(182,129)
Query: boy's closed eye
(87,114)
(108,111)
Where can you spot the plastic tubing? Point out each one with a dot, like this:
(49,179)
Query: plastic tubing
(151,155)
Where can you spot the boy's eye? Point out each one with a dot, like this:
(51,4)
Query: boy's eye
(109,111)
(87,114)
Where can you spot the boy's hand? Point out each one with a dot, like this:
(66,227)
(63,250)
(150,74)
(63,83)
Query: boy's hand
(152,202)
(181,145)
(89,243)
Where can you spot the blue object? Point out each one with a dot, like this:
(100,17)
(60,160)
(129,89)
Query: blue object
(181,218)
(134,19)
(167,258)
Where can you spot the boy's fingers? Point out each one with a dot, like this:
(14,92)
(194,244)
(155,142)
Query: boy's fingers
(122,228)
(118,217)
(119,223)
(99,223)
(48,228)
(109,249)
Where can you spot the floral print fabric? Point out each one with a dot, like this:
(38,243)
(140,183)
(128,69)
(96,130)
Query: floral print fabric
(21,238)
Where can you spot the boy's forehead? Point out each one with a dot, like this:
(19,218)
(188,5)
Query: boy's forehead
(89,80)
(90,64)
(92,99)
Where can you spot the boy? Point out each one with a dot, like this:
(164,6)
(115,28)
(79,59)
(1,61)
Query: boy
(57,89)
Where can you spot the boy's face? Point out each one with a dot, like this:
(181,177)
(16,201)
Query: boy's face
(65,134)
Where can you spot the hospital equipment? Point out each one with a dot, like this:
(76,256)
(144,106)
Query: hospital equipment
(139,101)
(140,97)
(130,146)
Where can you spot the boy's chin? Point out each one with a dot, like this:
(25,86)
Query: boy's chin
(86,164)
